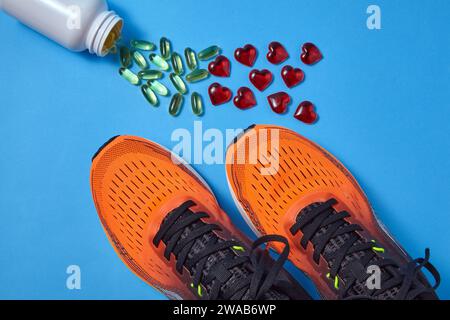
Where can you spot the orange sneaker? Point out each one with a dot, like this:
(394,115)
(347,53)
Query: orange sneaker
(310,198)
(167,227)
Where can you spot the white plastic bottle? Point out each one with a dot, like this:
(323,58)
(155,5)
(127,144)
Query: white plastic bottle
(75,24)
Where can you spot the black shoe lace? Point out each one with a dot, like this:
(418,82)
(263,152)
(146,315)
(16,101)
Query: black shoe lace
(348,261)
(213,267)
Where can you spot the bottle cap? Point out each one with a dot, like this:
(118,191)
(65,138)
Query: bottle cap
(104,33)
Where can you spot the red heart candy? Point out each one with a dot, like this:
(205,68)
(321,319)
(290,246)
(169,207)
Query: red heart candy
(279,102)
(306,113)
(291,76)
(245,98)
(218,94)
(246,55)
(311,54)
(220,67)
(277,53)
(261,79)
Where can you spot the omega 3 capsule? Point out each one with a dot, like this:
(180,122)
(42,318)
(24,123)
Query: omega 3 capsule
(176,104)
(177,64)
(128,75)
(197,104)
(159,62)
(159,88)
(209,53)
(166,48)
(140,60)
(197,75)
(150,74)
(149,95)
(178,83)
(191,59)
(143,45)
(125,57)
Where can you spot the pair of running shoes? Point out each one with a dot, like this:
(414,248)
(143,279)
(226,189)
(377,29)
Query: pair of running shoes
(167,226)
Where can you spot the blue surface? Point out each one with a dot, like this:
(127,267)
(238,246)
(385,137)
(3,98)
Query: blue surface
(383,98)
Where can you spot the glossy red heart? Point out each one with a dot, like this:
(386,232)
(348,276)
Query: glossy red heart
(279,102)
(246,55)
(218,94)
(220,67)
(291,76)
(306,113)
(311,54)
(244,99)
(277,53)
(261,79)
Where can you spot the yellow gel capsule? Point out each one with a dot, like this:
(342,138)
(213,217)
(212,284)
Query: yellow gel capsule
(125,57)
(197,104)
(166,48)
(209,53)
(131,77)
(143,45)
(149,95)
(140,60)
(178,83)
(177,64)
(176,104)
(150,74)
(159,88)
(159,62)
(197,75)
(191,59)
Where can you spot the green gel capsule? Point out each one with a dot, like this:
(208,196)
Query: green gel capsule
(176,104)
(143,45)
(166,48)
(140,60)
(128,75)
(159,88)
(149,95)
(177,64)
(197,75)
(150,74)
(191,59)
(178,83)
(125,57)
(197,104)
(209,53)
(159,62)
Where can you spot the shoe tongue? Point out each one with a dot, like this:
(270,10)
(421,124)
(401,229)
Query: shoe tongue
(238,273)
(351,261)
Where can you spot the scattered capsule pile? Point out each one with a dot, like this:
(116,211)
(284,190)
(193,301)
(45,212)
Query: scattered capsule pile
(165,62)
(219,67)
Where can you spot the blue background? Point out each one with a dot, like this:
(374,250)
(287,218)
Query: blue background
(383,99)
